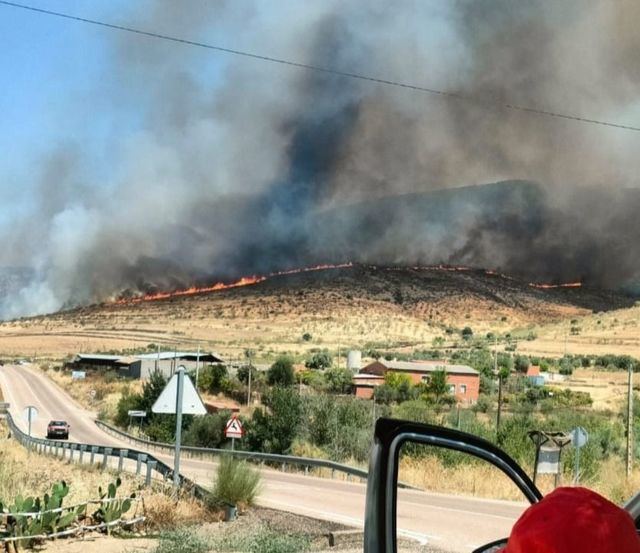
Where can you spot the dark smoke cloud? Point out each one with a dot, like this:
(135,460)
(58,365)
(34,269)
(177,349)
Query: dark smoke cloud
(272,166)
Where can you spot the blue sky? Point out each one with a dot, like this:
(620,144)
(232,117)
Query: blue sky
(56,89)
(50,66)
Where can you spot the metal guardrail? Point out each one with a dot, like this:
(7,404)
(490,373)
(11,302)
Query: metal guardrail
(201,452)
(92,454)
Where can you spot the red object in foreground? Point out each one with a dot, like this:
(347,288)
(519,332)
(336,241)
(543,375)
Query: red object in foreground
(573,520)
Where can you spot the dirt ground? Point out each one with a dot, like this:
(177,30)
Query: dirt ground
(252,521)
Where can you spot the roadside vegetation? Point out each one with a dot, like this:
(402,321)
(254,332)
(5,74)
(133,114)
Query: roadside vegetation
(25,475)
(236,482)
(310,412)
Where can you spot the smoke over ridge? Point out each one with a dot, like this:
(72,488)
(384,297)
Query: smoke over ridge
(239,166)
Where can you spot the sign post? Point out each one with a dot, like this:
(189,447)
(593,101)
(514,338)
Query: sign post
(549,447)
(29,415)
(179,396)
(579,438)
(233,430)
(137,415)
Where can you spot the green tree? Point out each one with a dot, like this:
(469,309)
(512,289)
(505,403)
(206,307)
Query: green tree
(274,429)
(151,390)
(281,372)
(212,378)
(385,394)
(127,402)
(437,385)
(521,363)
(207,431)
(339,380)
(505,361)
(401,385)
(243,374)
(467,333)
(321,361)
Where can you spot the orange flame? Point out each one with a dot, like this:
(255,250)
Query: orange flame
(218,286)
(255,279)
(544,286)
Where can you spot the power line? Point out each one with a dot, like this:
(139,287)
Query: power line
(328,70)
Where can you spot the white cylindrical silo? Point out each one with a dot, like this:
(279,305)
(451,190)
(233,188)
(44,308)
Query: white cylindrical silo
(354,360)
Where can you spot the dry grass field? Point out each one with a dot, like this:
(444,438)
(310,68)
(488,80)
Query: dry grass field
(616,331)
(340,308)
(483,480)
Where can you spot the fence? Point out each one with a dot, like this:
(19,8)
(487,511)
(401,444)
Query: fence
(154,468)
(283,461)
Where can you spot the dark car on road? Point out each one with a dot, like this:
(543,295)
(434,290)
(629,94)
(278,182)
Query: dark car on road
(58,429)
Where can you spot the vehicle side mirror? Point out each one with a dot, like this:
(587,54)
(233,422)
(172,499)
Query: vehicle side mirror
(381,510)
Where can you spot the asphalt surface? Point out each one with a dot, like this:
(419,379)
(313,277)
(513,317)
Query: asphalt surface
(446,522)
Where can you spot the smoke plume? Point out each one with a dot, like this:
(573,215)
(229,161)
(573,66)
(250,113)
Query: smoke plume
(229,166)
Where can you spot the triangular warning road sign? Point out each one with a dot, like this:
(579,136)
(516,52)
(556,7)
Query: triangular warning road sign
(191,402)
(233,428)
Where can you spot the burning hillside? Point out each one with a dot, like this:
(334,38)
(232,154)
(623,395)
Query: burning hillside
(219,286)
(349,305)
(257,279)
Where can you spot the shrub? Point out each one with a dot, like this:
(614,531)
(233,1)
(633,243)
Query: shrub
(467,332)
(521,364)
(281,372)
(312,378)
(243,374)
(182,540)
(207,431)
(385,394)
(212,378)
(307,337)
(339,380)
(319,361)
(484,404)
(262,540)
(415,410)
(236,482)
(269,541)
(127,402)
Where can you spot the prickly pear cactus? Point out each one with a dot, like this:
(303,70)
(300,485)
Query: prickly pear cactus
(112,510)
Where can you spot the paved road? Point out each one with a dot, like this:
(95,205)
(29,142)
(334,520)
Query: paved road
(449,522)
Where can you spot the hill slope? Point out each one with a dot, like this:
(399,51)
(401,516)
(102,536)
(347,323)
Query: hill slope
(345,307)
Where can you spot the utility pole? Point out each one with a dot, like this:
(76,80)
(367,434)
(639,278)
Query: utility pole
(499,405)
(373,400)
(249,385)
(197,366)
(176,458)
(495,368)
(630,422)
